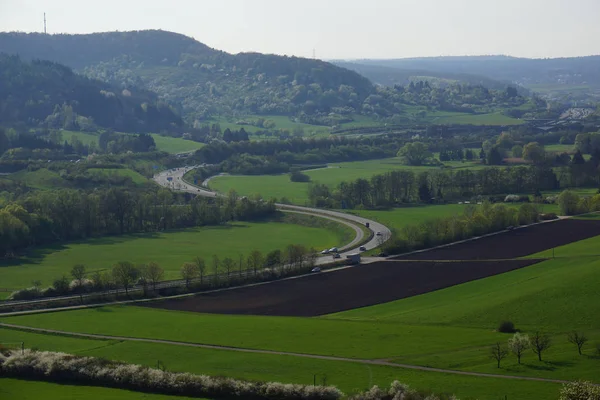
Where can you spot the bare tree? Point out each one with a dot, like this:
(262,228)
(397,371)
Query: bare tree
(498,353)
(78,274)
(540,343)
(201,265)
(154,274)
(125,274)
(578,339)
(518,344)
(189,271)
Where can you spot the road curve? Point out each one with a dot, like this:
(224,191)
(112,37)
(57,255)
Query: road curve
(173,179)
(280,353)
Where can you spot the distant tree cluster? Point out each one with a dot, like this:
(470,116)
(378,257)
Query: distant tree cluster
(475,221)
(406,186)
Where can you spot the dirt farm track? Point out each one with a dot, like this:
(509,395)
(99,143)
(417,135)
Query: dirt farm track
(384,281)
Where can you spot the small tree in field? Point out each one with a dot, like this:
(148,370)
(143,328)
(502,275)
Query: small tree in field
(125,274)
(498,353)
(201,265)
(189,271)
(540,343)
(578,339)
(215,264)
(518,344)
(228,264)
(78,274)
(154,274)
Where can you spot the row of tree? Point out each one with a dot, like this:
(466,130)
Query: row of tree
(195,274)
(50,216)
(406,186)
(539,342)
(475,221)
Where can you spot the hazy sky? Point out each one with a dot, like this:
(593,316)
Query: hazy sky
(336,28)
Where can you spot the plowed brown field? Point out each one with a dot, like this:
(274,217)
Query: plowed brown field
(325,293)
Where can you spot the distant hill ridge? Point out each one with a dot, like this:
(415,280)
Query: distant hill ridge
(203,80)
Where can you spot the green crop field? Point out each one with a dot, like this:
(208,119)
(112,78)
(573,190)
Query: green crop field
(347,376)
(175,145)
(279,186)
(15,389)
(170,249)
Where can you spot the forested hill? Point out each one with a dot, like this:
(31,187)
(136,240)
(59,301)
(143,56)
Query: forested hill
(202,81)
(390,76)
(525,71)
(44,93)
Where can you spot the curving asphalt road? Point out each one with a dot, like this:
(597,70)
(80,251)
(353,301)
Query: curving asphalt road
(177,183)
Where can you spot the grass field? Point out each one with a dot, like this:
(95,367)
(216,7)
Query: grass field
(279,186)
(42,179)
(560,148)
(15,389)
(450,328)
(135,176)
(163,143)
(413,215)
(175,145)
(349,377)
(170,250)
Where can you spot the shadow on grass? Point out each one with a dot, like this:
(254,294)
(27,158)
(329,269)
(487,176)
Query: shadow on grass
(37,255)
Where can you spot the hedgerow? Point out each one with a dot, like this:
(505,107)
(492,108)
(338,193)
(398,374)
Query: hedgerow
(65,368)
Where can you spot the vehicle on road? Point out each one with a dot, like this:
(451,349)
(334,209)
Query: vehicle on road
(362,248)
(326,251)
(378,234)
(333,250)
(316,269)
(337,255)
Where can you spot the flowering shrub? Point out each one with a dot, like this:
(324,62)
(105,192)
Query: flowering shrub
(397,391)
(580,391)
(61,367)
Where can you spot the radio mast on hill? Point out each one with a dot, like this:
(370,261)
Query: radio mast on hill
(44,23)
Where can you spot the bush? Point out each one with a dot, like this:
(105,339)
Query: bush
(61,367)
(506,327)
(297,176)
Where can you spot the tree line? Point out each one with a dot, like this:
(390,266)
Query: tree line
(197,274)
(407,186)
(52,216)
(475,221)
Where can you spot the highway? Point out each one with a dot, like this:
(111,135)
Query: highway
(173,179)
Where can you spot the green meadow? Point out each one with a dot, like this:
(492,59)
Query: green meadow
(279,186)
(169,249)
(349,377)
